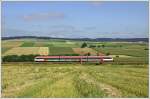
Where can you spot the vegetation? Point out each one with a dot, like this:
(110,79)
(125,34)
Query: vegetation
(21,58)
(126,76)
(43,51)
(84,51)
(73,80)
(84,45)
(107,53)
(60,50)
(27,44)
(92,46)
(23,51)
(11,44)
(4,49)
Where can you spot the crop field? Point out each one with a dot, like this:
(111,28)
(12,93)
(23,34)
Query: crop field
(83,51)
(127,76)
(22,51)
(27,44)
(122,51)
(41,44)
(4,49)
(12,44)
(64,44)
(73,80)
(60,50)
(27,51)
(43,51)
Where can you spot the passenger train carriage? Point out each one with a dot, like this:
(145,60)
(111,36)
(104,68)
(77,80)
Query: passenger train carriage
(73,59)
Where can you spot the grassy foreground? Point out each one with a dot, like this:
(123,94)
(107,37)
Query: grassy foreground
(74,80)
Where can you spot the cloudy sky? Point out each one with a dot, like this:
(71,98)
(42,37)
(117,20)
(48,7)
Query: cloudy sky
(75,19)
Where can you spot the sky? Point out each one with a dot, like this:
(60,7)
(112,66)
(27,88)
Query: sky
(68,19)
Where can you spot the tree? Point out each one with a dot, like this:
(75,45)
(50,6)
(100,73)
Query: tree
(103,46)
(84,45)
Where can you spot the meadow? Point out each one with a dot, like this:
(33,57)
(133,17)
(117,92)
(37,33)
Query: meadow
(126,77)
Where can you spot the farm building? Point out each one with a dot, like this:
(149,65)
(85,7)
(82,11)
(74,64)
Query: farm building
(73,59)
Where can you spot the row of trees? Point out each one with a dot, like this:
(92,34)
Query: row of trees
(91,46)
(21,58)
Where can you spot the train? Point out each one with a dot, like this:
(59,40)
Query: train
(73,59)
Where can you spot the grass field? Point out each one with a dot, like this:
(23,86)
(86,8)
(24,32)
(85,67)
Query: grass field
(74,80)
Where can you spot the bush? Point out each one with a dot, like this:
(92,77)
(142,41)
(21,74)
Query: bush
(87,54)
(98,46)
(117,55)
(146,49)
(107,53)
(92,46)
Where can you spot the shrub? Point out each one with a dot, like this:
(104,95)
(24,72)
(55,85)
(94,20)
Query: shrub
(146,49)
(117,55)
(92,46)
(107,53)
(87,54)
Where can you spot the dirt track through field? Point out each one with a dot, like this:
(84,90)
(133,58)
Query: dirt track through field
(111,91)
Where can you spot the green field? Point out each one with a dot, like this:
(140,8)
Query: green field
(122,51)
(126,76)
(27,44)
(60,50)
(74,80)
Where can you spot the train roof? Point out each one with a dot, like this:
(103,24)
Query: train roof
(73,57)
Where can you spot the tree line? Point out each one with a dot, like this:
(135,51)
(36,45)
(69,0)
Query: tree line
(16,58)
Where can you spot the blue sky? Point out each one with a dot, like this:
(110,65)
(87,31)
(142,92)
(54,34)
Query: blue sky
(76,19)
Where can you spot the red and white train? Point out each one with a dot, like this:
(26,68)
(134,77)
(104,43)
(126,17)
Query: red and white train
(73,59)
